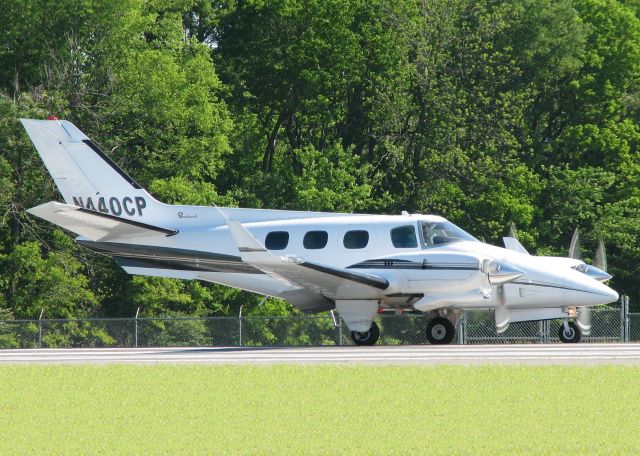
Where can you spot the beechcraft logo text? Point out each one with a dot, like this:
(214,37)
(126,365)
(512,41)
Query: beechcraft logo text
(114,206)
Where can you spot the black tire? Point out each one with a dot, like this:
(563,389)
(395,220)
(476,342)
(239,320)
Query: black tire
(573,336)
(366,338)
(440,331)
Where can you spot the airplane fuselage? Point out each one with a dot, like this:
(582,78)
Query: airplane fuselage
(424,277)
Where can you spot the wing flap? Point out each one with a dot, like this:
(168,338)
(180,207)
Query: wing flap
(95,226)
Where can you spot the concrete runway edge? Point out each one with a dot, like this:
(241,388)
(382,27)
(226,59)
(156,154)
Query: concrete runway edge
(553,354)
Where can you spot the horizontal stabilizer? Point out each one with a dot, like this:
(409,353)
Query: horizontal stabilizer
(95,226)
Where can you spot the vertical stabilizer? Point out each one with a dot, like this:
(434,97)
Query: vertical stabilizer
(85,176)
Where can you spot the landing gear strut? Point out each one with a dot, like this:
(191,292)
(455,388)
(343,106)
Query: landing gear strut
(366,338)
(570,333)
(440,331)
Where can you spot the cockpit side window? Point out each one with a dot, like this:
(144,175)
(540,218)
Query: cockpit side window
(404,237)
(439,233)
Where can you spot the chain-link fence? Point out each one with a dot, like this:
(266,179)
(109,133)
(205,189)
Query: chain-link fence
(612,324)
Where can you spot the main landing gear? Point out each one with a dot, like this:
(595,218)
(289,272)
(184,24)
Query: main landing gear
(570,333)
(440,331)
(368,337)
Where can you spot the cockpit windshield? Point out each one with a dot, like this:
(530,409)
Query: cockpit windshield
(439,233)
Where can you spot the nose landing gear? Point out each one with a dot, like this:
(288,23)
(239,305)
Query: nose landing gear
(570,332)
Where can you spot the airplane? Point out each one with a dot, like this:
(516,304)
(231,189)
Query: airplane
(357,264)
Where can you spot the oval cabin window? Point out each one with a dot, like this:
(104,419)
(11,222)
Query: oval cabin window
(404,237)
(356,239)
(315,240)
(277,240)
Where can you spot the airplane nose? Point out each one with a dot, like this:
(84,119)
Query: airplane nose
(613,295)
(586,291)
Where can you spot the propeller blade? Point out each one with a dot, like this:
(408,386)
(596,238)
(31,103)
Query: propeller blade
(600,259)
(575,249)
(584,320)
(600,262)
(584,313)
(512,231)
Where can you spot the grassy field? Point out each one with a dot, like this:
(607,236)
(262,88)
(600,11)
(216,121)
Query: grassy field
(168,409)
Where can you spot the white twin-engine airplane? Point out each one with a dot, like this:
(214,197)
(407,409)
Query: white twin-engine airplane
(357,264)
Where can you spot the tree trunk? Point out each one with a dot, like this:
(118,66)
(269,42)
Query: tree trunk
(267,159)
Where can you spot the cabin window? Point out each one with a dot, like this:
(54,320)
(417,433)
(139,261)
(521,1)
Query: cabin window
(277,240)
(404,237)
(356,239)
(315,240)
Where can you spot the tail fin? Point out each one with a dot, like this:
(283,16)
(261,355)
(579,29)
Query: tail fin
(85,176)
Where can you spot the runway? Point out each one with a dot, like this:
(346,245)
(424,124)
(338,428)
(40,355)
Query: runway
(580,354)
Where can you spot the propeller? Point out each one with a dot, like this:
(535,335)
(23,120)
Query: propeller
(575,249)
(600,262)
(584,314)
(499,273)
(597,271)
(600,259)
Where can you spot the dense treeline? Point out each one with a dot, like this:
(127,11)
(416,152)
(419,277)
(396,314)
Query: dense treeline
(488,113)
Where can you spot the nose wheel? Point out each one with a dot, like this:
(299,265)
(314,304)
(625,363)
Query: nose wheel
(368,337)
(440,331)
(570,333)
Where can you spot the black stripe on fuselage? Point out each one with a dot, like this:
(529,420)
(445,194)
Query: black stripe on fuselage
(149,256)
(406,264)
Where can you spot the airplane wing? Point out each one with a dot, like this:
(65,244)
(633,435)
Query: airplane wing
(93,225)
(329,281)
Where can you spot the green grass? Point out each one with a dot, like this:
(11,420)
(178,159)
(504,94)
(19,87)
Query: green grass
(168,409)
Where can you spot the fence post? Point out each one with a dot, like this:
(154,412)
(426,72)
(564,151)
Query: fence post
(135,338)
(240,326)
(622,301)
(40,328)
(336,325)
(462,330)
(546,331)
(626,318)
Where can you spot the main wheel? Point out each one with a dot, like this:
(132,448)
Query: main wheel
(440,331)
(572,335)
(366,338)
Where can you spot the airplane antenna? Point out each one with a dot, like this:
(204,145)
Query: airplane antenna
(224,216)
